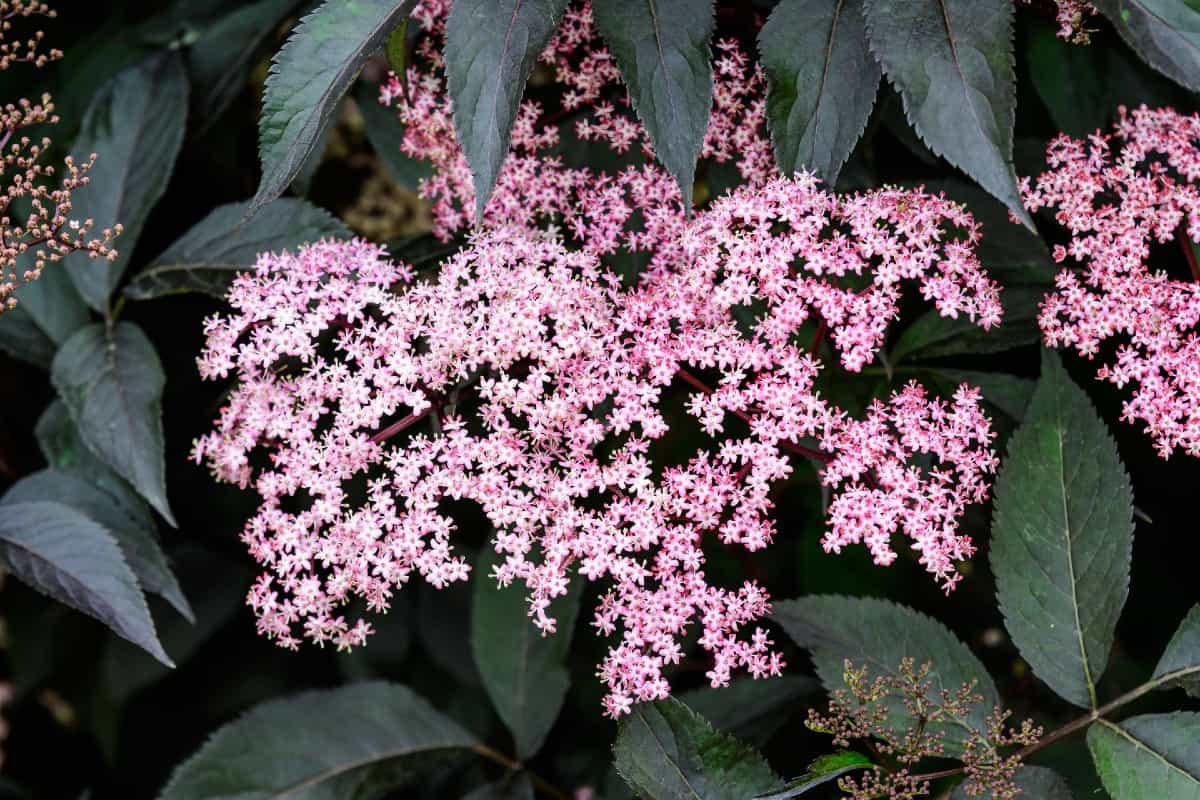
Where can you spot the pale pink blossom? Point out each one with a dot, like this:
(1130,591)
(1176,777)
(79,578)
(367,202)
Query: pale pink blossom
(527,379)
(1117,195)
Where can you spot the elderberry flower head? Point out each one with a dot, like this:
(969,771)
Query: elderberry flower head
(1116,195)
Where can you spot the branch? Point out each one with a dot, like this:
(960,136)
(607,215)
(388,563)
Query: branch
(1079,723)
(539,782)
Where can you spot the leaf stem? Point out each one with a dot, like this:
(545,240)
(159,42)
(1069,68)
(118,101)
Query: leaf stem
(539,783)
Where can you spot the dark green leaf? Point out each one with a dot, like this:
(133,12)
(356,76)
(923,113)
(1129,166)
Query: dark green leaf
(523,672)
(396,49)
(112,383)
(822,83)
(225,242)
(1165,33)
(317,745)
(1008,393)
(302,182)
(666,751)
(1070,81)
(444,629)
(878,635)
(1011,253)
(130,525)
(1035,783)
(135,123)
(491,47)
(221,57)
(952,62)
(934,336)
(1151,757)
(21,338)
(423,251)
(63,448)
(73,560)
(53,304)
(49,310)
(1062,537)
(1180,662)
(821,771)
(751,709)
(516,787)
(661,48)
(308,77)
(385,131)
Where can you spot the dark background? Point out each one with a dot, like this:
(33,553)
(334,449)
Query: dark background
(93,713)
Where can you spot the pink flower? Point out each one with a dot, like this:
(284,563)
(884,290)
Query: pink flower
(1117,195)
(528,379)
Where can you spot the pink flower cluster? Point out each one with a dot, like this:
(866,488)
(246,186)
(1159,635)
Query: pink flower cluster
(527,379)
(1117,195)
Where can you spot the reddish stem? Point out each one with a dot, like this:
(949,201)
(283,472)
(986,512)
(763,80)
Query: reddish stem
(400,425)
(819,337)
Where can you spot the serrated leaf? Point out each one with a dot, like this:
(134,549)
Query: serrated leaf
(68,557)
(1035,783)
(136,124)
(491,47)
(1151,757)
(1165,33)
(385,132)
(123,669)
(952,62)
(1180,662)
(317,745)
(751,709)
(662,50)
(131,526)
(878,635)
(224,243)
(822,82)
(666,751)
(220,58)
(820,772)
(523,672)
(112,382)
(933,336)
(308,77)
(1062,537)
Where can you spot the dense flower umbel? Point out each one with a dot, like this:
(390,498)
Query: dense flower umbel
(42,231)
(526,379)
(546,377)
(1117,195)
